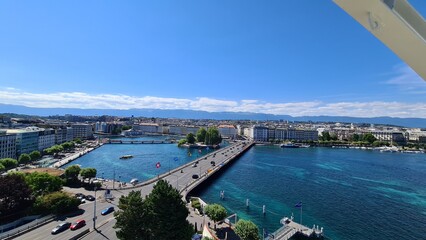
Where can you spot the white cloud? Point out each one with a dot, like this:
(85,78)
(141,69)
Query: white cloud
(117,101)
(407,80)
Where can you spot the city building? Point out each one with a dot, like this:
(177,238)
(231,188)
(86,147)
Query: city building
(227,131)
(82,131)
(7,145)
(63,134)
(26,140)
(46,138)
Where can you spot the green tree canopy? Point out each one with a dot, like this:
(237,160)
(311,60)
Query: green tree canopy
(68,145)
(56,202)
(325,136)
(126,127)
(14,193)
(133,218)
(9,163)
(190,138)
(247,230)
(78,141)
(88,172)
(201,135)
(215,212)
(72,172)
(368,137)
(162,215)
(355,138)
(181,142)
(2,168)
(54,149)
(212,136)
(41,183)
(24,158)
(35,155)
(169,213)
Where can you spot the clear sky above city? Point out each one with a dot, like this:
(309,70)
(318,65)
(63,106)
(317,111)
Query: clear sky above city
(295,57)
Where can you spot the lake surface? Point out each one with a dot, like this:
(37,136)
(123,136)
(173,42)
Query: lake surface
(142,166)
(353,194)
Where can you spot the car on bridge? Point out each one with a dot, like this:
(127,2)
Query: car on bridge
(195,176)
(107,210)
(61,227)
(78,224)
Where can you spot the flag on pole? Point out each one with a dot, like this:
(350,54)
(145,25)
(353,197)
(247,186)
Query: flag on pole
(299,205)
(158,165)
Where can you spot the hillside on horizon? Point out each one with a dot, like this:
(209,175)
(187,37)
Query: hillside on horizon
(194,114)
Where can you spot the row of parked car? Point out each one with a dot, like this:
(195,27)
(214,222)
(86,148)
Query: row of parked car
(79,223)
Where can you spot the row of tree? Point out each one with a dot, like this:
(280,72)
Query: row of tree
(211,136)
(9,163)
(163,215)
(368,137)
(38,192)
(72,172)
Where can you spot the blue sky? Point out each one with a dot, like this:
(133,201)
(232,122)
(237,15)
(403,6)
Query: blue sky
(296,57)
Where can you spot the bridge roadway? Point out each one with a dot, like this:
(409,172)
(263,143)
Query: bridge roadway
(181,178)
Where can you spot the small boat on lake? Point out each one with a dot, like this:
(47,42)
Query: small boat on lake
(289,145)
(126,157)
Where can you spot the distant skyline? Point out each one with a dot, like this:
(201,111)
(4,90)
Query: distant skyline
(298,58)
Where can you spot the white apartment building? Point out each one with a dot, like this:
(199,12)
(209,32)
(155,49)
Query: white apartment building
(146,128)
(227,131)
(259,133)
(46,138)
(7,145)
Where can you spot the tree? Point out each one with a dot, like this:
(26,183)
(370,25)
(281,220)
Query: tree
(162,215)
(68,145)
(2,168)
(325,136)
(355,138)
(201,135)
(71,172)
(181,142)
(15,194)
(126,127)
(35,155)
(169,213)
(78,141)
(133,218)
(56,202)
(88,172)
(54,149)
(42,183)
(9,163)
(212,136)
(24,158)
(369,138)
(247,230)
(190,138)
(216,212)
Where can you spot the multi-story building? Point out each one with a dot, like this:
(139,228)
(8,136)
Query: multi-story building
(259,133)
(227,131)
(46,138)
(82,131)
(145,128)
(7,145)
(63,134)
(26,140)
(296,134)
(388,136)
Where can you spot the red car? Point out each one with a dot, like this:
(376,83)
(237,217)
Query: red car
(78,224)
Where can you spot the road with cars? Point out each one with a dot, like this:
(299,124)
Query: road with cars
(181,178)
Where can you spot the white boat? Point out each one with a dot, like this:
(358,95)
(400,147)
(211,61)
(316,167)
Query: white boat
(134,181)
(126,157)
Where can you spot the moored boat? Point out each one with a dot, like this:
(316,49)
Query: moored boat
(126,157)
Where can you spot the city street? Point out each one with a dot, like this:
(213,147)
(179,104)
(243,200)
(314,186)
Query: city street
(179,179)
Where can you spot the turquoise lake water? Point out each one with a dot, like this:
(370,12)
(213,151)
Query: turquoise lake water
(353,194)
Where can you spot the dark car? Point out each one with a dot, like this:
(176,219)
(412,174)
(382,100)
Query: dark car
(78,224)
(195,176)
(90,198)
(61,227)
(107,210)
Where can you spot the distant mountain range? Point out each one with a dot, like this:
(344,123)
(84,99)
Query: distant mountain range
(192,114)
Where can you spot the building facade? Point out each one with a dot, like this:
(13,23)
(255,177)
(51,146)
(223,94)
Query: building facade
(82,131)
(7,145)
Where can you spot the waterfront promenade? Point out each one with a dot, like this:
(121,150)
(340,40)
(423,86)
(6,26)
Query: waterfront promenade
(183,178)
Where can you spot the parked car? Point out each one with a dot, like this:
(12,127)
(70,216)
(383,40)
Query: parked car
(78,224)
(107,210)
(61,227)
(90,198)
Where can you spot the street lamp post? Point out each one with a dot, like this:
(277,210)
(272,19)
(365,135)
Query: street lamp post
(94,212)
